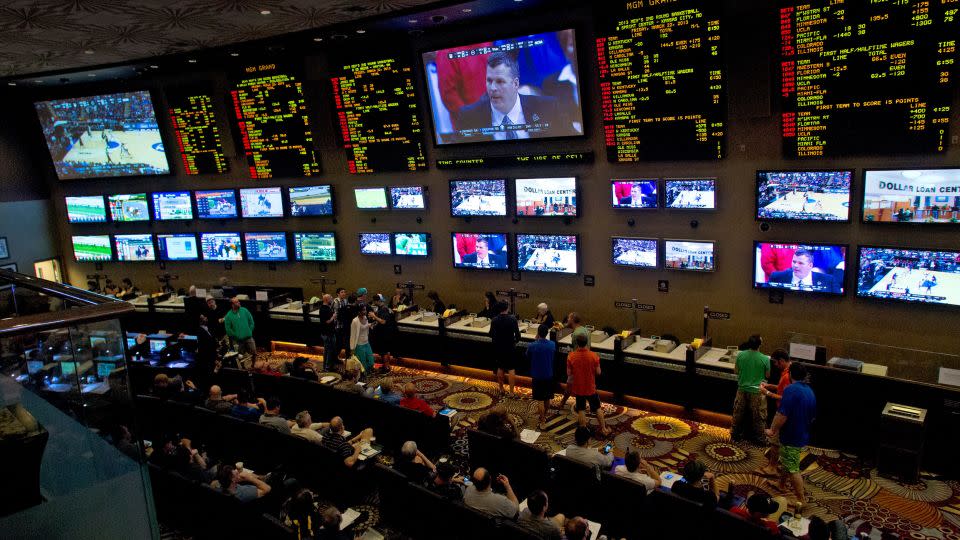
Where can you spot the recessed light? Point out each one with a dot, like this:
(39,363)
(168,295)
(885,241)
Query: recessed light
(91,74)
(234,54)
(361,31)
(11,84)
(318,39)
(412,21)
(192,60)
(264,11)
(38,81)
(88,51)
(466,10)
(154,66)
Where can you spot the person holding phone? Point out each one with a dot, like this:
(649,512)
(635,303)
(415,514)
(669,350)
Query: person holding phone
(480,495)
(579,451)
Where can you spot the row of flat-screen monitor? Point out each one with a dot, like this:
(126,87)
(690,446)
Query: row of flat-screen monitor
(890,196)
(914,275)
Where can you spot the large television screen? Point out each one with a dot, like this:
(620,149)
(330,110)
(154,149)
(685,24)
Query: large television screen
(547,253)
(922,276)
(411,244)
(310,201)
(172,205)
(86,209)
(95,248)
(526,87)
(129,207)
(487,251)
(375,243)
(216,204)
(265,202)
(803,195)
(103,136)
(542,197)
(478,197)
(177,247)
(696,256)
(408,198)
(371,198)
(817,268)
(135,247)
(221,246)
(631,194)
(635,252)
(315,246)
(266,246)
(911,196)
(690,194)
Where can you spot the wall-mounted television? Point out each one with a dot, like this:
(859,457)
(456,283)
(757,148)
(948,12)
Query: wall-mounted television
(177,247)
(803,267)
(103,136)
(134,247)
(266,246)
(92,248)
(315,246)
(371,198)
(172,205)
(478,197)
(221,246)
(261,202)
(692,255)
(690,194)
(375,244)
(803,195)
(129,207)
(484,251)
(86,209)
(635,252)
(546,197)
(921,276)
(547,253)
(911,196)
(524,87)
(216,203)
(311,200)
(634,194)
(408,197)
(411,244)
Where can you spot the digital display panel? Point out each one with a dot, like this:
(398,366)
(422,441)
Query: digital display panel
(635,252)
(690,194)
(547,253)
(689,255)
(525,87)
(221,246)
(264,202)
(129,207)
(921,276)
(198,136)
(177,247)
(135,247)
(86,209)
(486,251)
(266,246)
(478,197)
(315,246)
(273,122)
(634,194)
(375,243)
(411,244)
(866,77)
(94,248)
(408,198)
(216,204)
(371,198)
(172,205)
(815,268)
(544,197)
(911,196)
(311,201)
(376,106)
(103,136)
(662,84)
(803,195)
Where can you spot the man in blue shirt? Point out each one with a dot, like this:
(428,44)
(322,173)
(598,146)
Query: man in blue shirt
(541,354)
(798,407)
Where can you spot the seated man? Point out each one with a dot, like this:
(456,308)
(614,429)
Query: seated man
(584,454)
(447,483)
(174,389)
(306,428)
(414,465)
(650,478)
(691,486)
(247,408)
(480,495)
(411,401)
(244,486)
(761,510)
(261,366)
(351,375)
(272,419)
(385,392)
(331,526)
(302,368)
(219,403)
(576,528)
(349,450)
(534,518)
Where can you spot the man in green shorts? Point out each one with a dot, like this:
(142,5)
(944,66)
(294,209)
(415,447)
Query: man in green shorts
(797,410)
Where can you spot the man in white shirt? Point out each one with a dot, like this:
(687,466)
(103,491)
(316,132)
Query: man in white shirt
(582,453)
(307,429)
(482,257)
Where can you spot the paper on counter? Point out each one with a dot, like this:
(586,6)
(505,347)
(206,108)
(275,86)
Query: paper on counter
(529,436)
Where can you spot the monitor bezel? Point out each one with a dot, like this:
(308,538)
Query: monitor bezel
(243,247)
(389,241)
(160,257)
(116,252)
(857,294)
(288,192)
(106,209)
(286,242)
(154,210)
(424,188)
(196,201)
(283,203)
(393,245)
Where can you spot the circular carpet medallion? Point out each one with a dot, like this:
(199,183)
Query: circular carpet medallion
(931,491)
(723,456)
(468,401)
(426,386)
(647,447)
(661,427)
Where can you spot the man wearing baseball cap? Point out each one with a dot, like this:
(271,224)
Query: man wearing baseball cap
(762,510)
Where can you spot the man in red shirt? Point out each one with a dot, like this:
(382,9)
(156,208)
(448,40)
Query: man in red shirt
(583,365)
(411,401)
(761,510)
(781,360)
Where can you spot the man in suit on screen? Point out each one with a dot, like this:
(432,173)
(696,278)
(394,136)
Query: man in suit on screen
(484,257)
(800,275)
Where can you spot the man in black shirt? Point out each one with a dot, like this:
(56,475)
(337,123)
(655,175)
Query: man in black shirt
(414,464)
(328,332)
(447,483)
(505,333)
(349,450)
(692,486)
(193,307)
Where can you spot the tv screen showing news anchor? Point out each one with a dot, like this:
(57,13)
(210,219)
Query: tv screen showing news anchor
(815,268)
(525,87)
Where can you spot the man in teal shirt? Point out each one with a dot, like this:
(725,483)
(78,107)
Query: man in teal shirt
(238,323)
(750,407)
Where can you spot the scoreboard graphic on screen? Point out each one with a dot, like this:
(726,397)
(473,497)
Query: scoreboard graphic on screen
(662,86)
(273,123)
(198,137)
(866,77)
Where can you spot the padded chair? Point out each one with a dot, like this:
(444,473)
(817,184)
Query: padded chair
(575,488)
(526,465)
(672,516)
(735,526)
(624,500)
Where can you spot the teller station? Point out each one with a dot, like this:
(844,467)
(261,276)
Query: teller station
(695,373)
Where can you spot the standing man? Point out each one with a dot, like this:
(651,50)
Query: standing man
(505,333)
(797,410)
(328,324)
(780,359)
(573,321)
(749,407)
(583,365)
(541,353)
(238,323)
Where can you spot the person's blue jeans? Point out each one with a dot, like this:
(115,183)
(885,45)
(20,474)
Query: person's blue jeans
(329,352)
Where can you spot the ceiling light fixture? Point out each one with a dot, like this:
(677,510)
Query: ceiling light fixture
(38,81)
(91,74)
(466,10)
(412,21)
(264,11)
(88,51)
(234,54)
(11,84)
(192,60)
(318,39)
(154,66)
(361,31)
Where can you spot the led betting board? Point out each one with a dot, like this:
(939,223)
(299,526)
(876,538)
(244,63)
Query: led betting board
(273,123)
(866,77)
(662,88)
(377,112)
(198,137)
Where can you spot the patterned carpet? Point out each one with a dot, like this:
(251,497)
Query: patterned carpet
(838,485)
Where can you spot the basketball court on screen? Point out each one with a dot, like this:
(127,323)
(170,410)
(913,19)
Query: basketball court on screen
(120,147)
(899,280)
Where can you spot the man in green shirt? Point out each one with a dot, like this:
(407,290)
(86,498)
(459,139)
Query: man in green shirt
(750,406)
(238,323)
